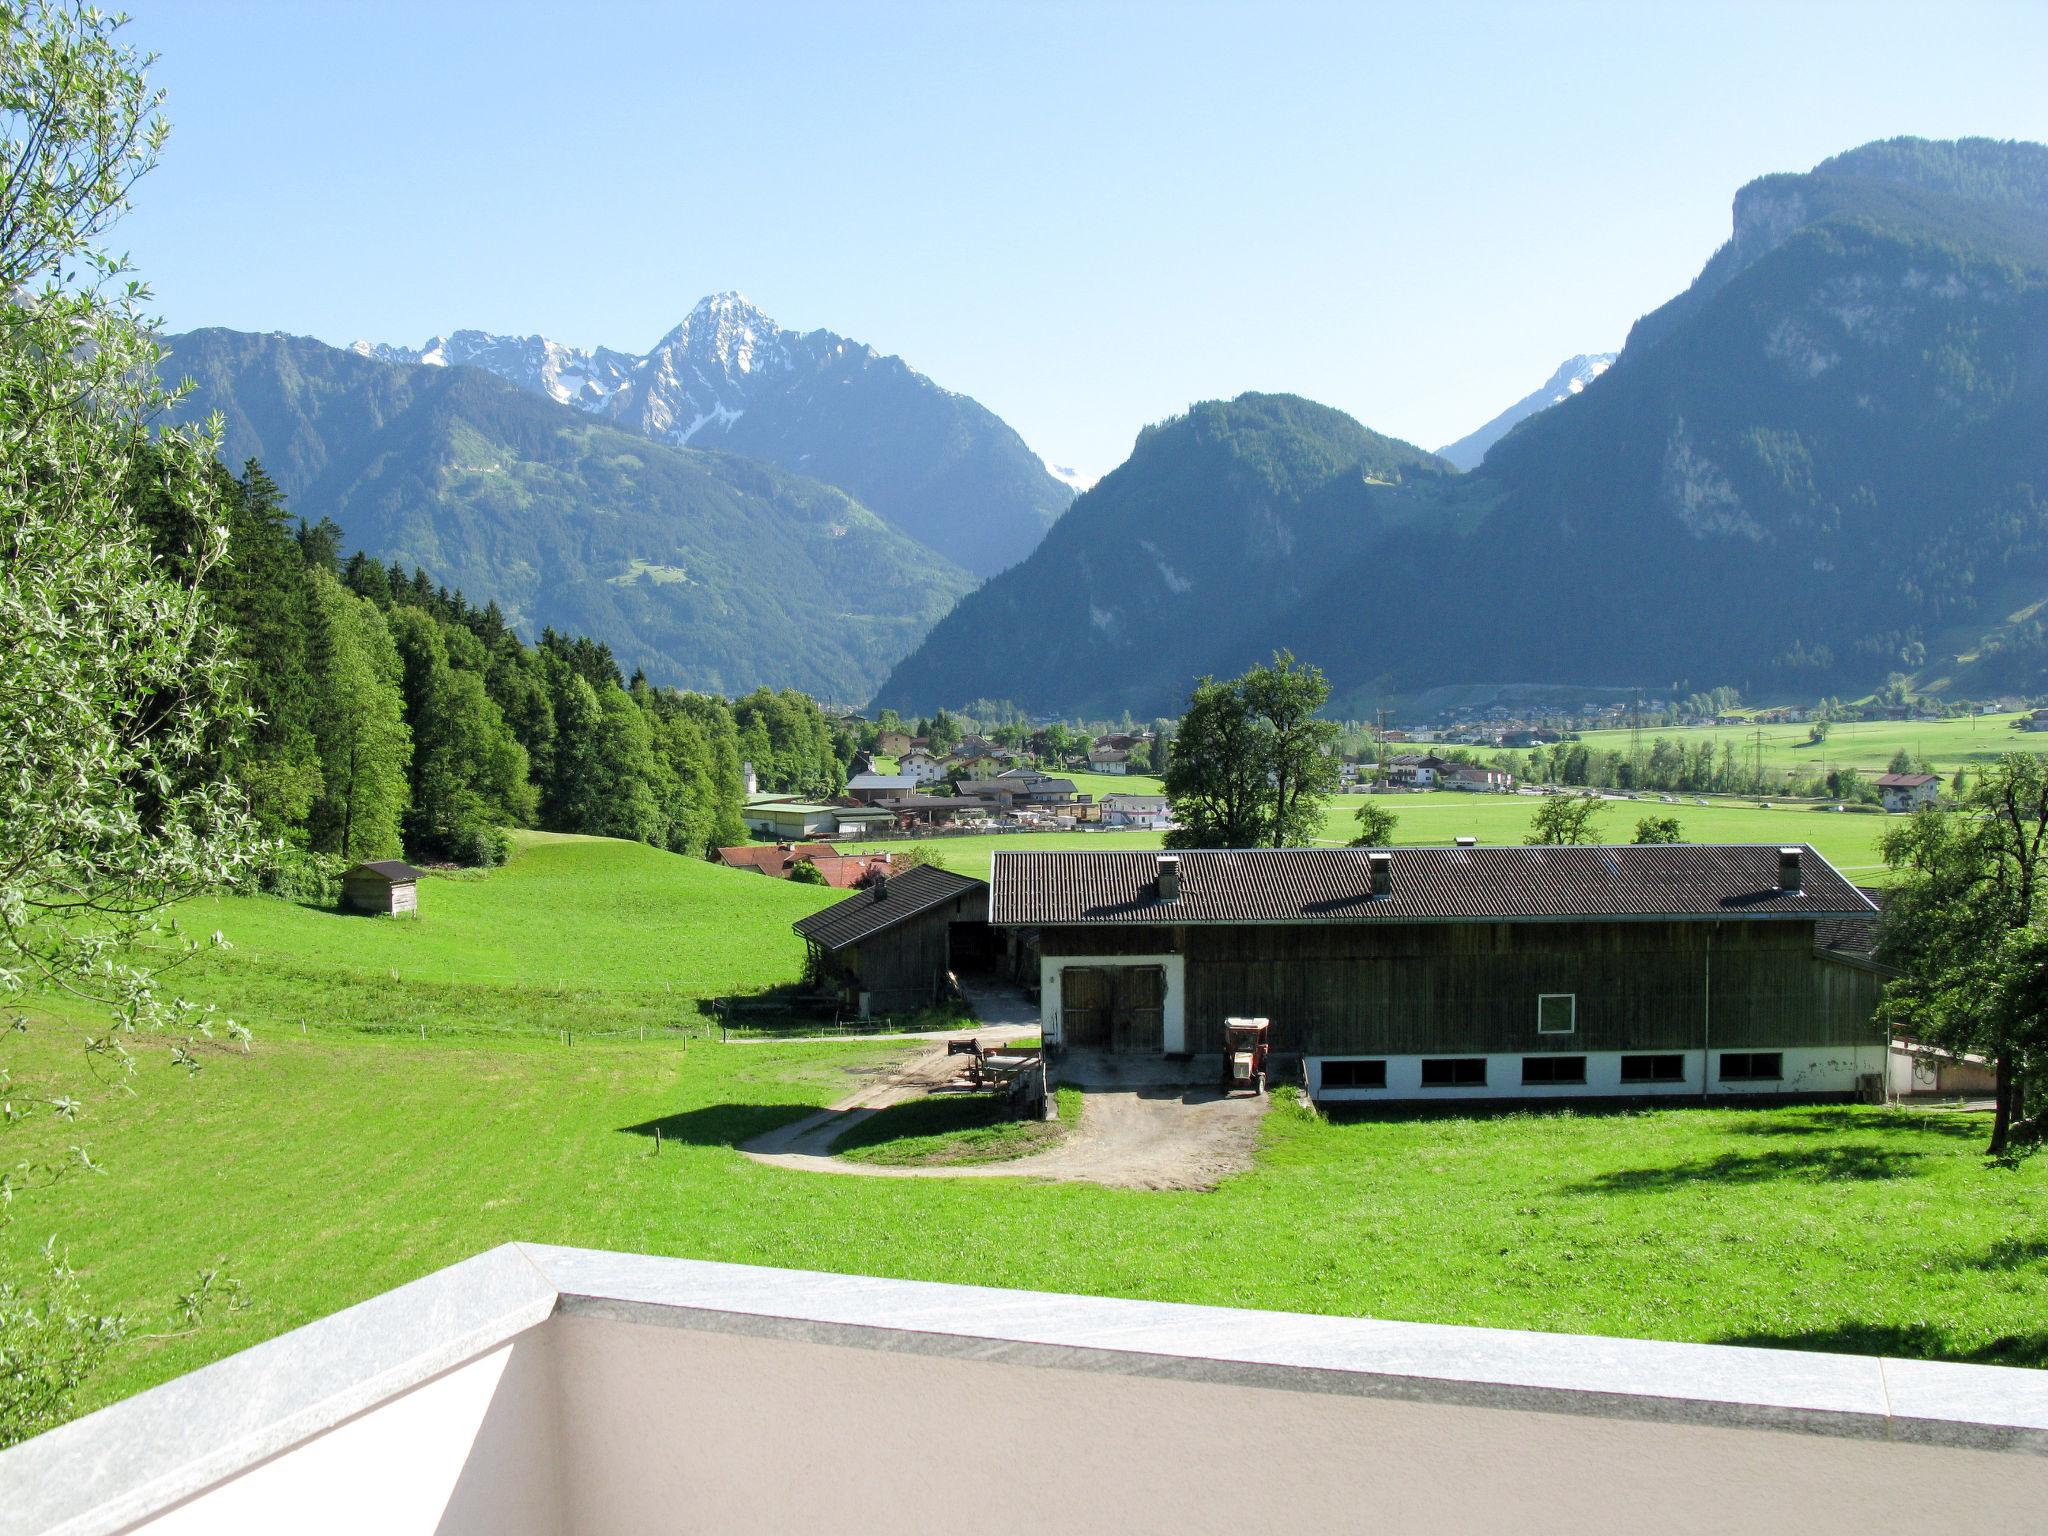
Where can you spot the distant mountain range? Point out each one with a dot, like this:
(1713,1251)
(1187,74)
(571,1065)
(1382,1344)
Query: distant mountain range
(1823,463)
(936,464)
(1573,375)
(707,569)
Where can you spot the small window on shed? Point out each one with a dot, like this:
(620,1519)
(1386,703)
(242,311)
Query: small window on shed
(1551,1070)
(1653,1069)
(1752,1066)
(1454,1072)
(1354,1074)
(1557,1013)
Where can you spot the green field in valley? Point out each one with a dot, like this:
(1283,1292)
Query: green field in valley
(1848,840)
(1865,745)
(328,1165)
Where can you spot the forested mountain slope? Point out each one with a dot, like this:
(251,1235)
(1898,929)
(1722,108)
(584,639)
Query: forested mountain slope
(1220,522)
(1825,462)
(707,570)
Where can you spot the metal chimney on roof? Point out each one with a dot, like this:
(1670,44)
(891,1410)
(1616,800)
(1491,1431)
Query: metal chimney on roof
(1790,877)
(1382,865)
(878,885)
(1169,876)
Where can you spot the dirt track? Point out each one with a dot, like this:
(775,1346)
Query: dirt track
(1142,1128)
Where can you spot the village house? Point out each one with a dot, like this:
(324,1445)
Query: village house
(845,871)
(1908,791)
(892,743)
(875,788)
(1109,760)
(1422,974)
(921,767)
(1415,770)
(1471,777)
(1149,811)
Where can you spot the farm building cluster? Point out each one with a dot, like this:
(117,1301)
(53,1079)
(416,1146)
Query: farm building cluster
(1411,974)
(1012,799)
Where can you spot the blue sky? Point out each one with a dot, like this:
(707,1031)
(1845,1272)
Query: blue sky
(1086,216)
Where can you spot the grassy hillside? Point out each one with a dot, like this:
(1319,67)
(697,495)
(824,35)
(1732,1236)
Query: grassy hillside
(327,1166)
(578,933)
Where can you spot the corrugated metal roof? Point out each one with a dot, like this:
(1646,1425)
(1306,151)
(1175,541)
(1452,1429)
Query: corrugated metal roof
(915,890)
(1334,885)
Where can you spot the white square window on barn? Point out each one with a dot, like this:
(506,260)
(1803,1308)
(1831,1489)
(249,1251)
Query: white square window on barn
(1557,1013)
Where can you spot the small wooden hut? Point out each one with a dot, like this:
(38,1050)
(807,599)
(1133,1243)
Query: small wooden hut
(384,886)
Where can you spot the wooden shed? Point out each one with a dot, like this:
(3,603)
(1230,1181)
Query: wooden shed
(1460,973)
(892,947)
(384,886)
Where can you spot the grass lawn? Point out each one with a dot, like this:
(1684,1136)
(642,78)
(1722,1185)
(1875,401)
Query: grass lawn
(327,1166)
(955,1130)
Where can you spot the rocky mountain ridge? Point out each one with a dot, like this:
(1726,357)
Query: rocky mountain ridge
(938,465)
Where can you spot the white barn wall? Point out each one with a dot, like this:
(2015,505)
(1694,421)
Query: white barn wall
(1828,1070)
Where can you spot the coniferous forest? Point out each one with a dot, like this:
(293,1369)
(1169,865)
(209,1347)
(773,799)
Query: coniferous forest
(384,715)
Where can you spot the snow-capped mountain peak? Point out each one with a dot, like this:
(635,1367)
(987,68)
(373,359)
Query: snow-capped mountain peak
(1572,376)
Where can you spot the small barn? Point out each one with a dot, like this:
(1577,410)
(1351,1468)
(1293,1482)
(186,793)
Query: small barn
(894,947)
(384,886)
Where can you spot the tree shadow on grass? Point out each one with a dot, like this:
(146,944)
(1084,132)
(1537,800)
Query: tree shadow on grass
(1895,1125)
(1812,1163)
(1914,1341)
(721,1125)
(2010,1253)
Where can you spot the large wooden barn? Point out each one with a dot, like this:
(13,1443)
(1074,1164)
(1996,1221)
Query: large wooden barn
(1460,973)
(894,946)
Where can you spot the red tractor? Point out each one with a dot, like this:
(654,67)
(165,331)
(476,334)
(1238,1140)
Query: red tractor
(1246,1045)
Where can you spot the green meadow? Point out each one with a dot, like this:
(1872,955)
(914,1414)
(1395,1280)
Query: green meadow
(1848,840)
(342,1154)
(1865,745)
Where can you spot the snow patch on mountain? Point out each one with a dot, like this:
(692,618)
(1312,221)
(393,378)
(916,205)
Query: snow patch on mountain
(1572,376)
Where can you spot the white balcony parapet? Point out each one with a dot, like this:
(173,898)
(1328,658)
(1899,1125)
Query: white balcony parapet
(542,1390)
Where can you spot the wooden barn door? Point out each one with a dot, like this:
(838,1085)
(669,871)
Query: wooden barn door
(1113,1007)
(1139,1023)
(1085,1002)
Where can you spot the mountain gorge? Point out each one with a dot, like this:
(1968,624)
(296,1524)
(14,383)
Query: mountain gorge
(1821,464)
(937,465)
(706,569)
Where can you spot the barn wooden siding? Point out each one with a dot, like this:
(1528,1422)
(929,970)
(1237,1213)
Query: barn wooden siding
(1472,987)
(378,895)
(904,968)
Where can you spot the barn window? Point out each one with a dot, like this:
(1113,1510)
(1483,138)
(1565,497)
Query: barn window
(1653,1069)
(1454,1072)
(1752,1066)
(1557,1013)
(1552,1069)
(1354,1074)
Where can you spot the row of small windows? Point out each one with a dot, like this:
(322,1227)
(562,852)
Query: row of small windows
(1552,1071)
